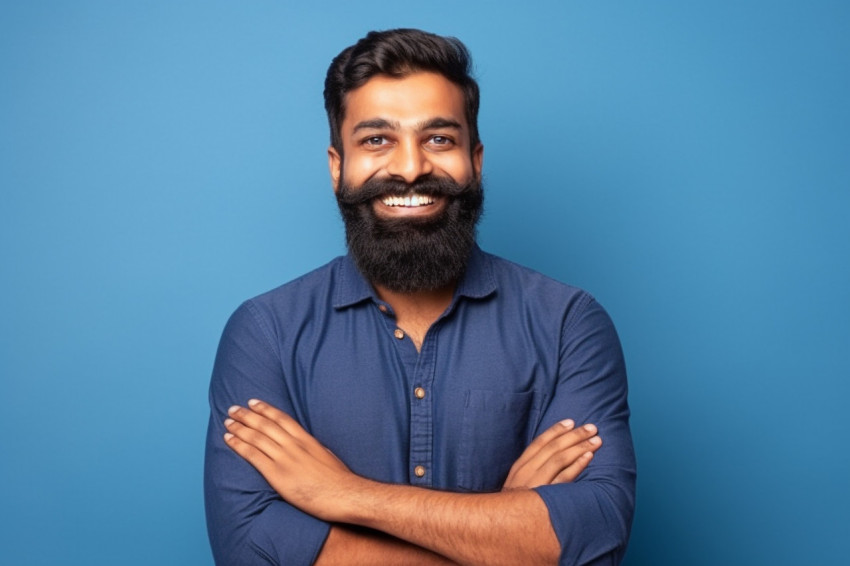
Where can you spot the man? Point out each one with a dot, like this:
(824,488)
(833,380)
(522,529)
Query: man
(417,401)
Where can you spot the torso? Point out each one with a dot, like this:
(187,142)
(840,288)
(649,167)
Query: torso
(416,312)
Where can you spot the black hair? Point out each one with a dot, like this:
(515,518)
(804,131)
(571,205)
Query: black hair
(398,53)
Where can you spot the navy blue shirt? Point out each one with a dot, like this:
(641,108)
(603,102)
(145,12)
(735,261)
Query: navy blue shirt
(513,354)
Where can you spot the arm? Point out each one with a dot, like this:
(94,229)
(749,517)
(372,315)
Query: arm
(247,522)
(592,388)
(347,545)
(510,527)
(558,455)
(591,517)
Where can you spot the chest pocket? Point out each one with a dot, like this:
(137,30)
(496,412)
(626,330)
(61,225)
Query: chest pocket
(496,428)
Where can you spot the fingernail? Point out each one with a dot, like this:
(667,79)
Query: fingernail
(589,428)
(227,436)
(596,441)
(232,410)
(568,423)
(228,422)
(253,402)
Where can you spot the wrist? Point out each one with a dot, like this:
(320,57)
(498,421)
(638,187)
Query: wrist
(355,502)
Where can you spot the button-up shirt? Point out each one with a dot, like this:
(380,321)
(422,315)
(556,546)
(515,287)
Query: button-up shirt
(514,353)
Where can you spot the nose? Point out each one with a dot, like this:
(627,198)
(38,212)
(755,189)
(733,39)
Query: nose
(409,161)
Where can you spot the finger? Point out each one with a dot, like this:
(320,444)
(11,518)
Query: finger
(277,416)
(543,439)
(257,421)
(290,434)
(565,459)
(571,472)
(561,443)
(254,438)
(522,470)
(252,454)
(553,458)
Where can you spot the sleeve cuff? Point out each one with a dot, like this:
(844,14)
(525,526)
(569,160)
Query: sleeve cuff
(587,538)
(283,534)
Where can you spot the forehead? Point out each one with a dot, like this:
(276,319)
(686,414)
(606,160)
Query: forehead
(411,99)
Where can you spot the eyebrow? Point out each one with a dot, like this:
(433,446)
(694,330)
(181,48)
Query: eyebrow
(376,124)
(384,124)
(440,123)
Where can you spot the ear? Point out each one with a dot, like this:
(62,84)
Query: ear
(478,160)
(335,167)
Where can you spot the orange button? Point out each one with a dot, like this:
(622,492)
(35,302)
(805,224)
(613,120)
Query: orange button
(419,392)
(419,471)
(399,333)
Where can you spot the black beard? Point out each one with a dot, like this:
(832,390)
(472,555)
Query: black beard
(411,254)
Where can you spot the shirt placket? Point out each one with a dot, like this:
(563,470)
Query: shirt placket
(421,464)
(420,367)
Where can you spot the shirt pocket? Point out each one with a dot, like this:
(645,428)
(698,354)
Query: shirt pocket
(496,428)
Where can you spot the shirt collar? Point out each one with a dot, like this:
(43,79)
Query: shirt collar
(477,283)
(351,287)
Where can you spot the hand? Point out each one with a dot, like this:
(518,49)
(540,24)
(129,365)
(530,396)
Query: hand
(296,465)
(558,455)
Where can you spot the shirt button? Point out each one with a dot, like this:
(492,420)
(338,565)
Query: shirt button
(419,471)
(419,392)
(399,333)
(382,308)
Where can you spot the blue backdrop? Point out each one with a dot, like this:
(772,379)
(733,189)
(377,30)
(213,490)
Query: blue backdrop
(686,162)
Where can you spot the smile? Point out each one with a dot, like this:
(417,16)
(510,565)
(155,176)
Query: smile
(411,201)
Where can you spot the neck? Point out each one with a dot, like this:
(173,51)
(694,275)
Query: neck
(417,311)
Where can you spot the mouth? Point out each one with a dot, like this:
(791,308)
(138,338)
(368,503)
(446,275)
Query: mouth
(413,204)
(410,201)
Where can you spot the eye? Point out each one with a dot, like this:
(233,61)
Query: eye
(441,140)
(375,141)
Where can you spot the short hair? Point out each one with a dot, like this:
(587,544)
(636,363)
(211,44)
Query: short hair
(398,53)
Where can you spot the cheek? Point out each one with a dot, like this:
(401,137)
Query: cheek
(459,168)
(357,169)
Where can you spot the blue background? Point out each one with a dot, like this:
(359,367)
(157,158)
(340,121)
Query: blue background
(686,162)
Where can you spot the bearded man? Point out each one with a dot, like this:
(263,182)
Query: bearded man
(417,401)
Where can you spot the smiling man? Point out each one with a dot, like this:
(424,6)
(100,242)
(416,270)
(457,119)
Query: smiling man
(417,401)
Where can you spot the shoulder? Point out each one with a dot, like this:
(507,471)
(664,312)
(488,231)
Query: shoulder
(569,311)
(531,287)
(294,300)
(316,284)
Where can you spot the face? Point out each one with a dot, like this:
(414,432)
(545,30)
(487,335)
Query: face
(404,129)
(408,183)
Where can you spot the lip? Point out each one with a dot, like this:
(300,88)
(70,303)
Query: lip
(401,211)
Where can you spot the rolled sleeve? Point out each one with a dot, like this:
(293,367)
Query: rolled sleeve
(247,521)
(592,516)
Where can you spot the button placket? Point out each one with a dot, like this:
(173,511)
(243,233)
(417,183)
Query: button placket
(422,412)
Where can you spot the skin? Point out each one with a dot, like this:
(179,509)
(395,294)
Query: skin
(405,128)
(510,527)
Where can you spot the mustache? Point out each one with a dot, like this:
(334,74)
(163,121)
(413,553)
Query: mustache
(375,188)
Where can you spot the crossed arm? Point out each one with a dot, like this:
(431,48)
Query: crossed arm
(401,524)
(251,523)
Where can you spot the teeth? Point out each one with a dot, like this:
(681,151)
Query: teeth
(409,201)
